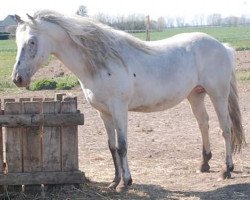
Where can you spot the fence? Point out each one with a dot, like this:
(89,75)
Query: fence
(39,141)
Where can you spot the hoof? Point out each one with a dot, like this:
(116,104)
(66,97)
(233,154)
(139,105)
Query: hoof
(225,175)
(112,185)
(130,181)
(231,168)
(120,189)
(204,167)
(123,186)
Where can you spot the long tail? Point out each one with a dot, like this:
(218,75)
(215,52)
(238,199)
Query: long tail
(238,137)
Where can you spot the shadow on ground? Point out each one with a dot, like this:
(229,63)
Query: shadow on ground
(95,191)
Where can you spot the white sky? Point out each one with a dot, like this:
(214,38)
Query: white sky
(155,8)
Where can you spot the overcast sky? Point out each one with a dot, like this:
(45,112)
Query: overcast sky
(155,8)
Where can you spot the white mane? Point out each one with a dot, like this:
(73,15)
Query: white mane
(99,42)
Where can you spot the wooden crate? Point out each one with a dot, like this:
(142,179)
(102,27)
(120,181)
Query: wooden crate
(39,141)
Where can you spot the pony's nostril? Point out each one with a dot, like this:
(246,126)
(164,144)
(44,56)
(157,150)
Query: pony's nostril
(19,79)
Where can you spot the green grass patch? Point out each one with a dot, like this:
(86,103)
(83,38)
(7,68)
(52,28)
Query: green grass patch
(8,45)
(60,83)
(243,75)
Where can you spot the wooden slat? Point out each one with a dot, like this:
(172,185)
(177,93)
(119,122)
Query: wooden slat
(42,119)
(36,178)
(8,100)
(69,138)
(51,139)
(32,149)
(37,99)
(24,99)
(1,145)
(48,99)
(13,139)
(59,96)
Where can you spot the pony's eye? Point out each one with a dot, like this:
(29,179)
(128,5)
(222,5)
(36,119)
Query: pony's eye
(32,47)
(32,42)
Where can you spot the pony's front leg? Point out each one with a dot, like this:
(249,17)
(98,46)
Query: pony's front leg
(110,129)
(117,146)
(120,117)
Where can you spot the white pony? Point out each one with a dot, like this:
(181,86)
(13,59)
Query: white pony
(119,73)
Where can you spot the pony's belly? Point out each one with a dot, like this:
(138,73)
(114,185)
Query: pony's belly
(157,106)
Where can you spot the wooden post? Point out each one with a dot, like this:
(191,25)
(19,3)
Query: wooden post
(32,150)
(1,152)
(1,144)
(13,140)
(13,145)
(51,139)
(147,28)
(69,137)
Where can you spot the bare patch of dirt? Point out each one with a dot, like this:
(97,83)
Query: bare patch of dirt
(243,60)
(164,152)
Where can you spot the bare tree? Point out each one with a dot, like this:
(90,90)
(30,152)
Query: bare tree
(231,21)
(82,11)
(243,20)
(198,20)
(180,21)
(214,19)
(161,23)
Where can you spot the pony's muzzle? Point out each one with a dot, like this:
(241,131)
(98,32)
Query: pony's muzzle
(20,81)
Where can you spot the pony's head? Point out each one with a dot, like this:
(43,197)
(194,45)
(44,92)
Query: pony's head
(32,51)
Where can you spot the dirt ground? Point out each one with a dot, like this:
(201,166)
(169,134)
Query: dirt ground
(164,152)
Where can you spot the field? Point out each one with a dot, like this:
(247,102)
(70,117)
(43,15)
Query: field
(238,37)
(164,147)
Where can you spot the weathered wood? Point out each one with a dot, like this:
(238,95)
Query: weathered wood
(59,96)
(9,100)
(24,99)
(69,138)
(32,150)
(1,151)
(48,99)
(37,99)
(51,139)
(34,178)
(43,149)
(42,119)
(1,145)
(13,140)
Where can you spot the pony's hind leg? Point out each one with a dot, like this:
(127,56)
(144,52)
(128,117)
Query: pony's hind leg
(221,107)
(196,101)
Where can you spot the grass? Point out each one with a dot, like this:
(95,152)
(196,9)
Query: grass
(8,46)
(7,60)
(60,83)
(238,37)
(243,75)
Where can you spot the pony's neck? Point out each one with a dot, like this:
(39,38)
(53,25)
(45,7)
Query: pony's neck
(68,52)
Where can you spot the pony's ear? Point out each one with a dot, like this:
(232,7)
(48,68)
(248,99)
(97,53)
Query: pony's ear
(31,18)
(18,19)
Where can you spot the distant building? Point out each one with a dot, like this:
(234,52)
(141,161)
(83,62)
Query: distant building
(9,21)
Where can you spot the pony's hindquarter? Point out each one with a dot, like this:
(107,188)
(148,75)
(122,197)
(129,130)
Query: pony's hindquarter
(224,96)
